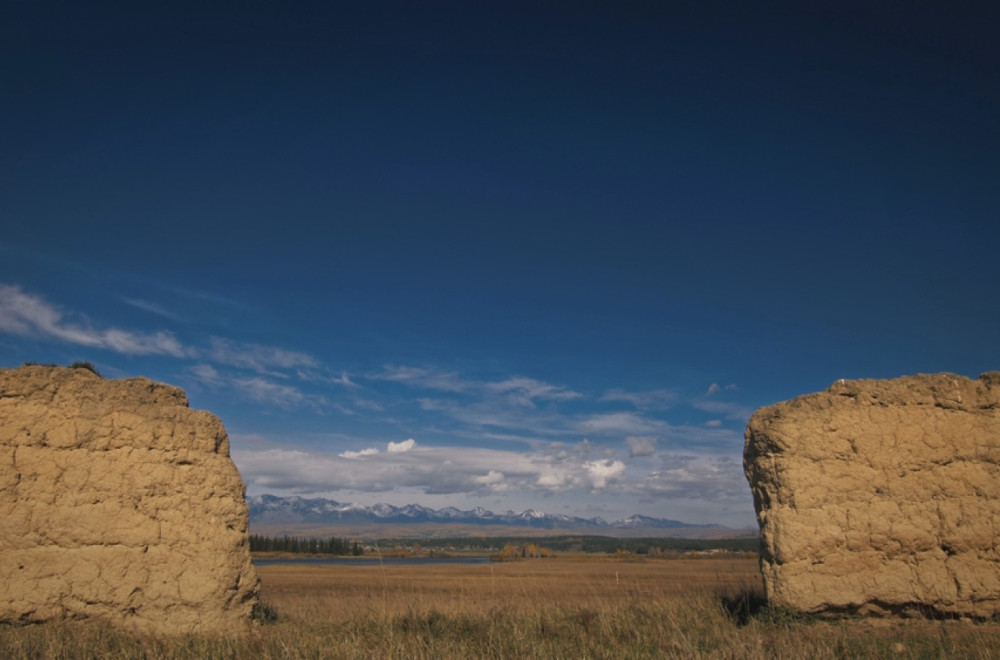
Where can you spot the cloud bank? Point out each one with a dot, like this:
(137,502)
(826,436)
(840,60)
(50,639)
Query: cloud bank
(473,471)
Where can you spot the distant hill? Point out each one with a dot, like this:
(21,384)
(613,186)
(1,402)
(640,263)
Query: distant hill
(274,515)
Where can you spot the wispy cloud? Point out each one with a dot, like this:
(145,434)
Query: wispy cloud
(261,390)
(315,376)
(707,438)
(472,407)
(257,357)
(641,445)
(208,297)
(729,410)
(257,389)
(709,478)
(206,374)
(623,423)
(523,391)
(152,308)
(519,390)
(650,400)
(28,315)
(491,415)
(509,409)
(445,381)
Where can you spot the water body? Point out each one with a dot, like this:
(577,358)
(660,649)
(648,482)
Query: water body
(369,561)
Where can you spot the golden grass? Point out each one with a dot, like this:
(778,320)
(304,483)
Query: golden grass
(545,608)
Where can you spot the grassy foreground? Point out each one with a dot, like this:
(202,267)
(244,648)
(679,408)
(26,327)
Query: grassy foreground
(545,608)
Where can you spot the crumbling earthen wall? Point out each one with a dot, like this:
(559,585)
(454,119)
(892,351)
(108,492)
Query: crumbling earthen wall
(881,496)
(118,501)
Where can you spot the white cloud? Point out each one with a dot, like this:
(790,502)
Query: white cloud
(700,480)
(600,472)
(641,445)
(288,469)
(493,477)
(551,480)
(371,451)
(401,447)
(713,423)
(29,315)
(493,480)
(431,470)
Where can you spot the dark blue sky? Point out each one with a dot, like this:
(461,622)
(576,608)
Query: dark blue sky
(589,236)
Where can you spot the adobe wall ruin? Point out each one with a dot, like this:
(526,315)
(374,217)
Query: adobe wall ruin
(118,501)
(881,496)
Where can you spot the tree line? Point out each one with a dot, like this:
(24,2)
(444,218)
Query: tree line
(307,546)
(652,546)
(511,552)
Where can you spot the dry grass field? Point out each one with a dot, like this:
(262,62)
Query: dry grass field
(543,608)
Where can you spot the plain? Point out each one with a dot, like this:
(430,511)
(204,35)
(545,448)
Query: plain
(564,607)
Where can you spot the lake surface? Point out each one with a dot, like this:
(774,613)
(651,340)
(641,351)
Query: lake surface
(369,561)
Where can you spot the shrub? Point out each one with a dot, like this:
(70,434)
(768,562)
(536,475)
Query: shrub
(89,366)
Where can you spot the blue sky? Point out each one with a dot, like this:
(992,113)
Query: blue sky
(511,255)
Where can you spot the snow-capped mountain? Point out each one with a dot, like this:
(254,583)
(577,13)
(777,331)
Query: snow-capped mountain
(270,509)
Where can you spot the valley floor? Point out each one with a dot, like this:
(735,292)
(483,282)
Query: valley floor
(542,608)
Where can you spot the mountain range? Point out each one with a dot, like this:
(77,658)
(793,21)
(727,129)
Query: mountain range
(272,514)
